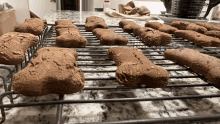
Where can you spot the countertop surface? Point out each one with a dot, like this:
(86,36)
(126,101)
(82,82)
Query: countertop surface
(80,17)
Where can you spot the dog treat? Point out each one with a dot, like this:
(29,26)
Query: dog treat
(128,26)
(93,22)
(69,36)
(181,25)
(197,38)
(98,32)
(213,34)
(109,37)
(203,64)
(33,25)
(161,27)
(184,25)
(134,69)
(14,45)
(196,28)
(52,71)
(155,37)
(64,22)
(209,26)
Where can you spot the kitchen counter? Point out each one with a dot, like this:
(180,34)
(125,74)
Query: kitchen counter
(98,112)
(80,18)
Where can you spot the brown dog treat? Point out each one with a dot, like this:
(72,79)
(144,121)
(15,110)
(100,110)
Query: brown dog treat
(203,64)
(197,28)
(53,71)
(143,10)
(95,22)
(213,34)
(33,25)
(64,22)
(155,37)
(181,25)
(98,32)
(14,45)
(61,31)
(135,69)
(197,38)
(208,25)
(128,26)
(133,11)
(66,26)
(113,39)
(131,4)
(161,27)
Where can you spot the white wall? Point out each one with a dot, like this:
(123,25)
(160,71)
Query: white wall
(41,7)
(21,9)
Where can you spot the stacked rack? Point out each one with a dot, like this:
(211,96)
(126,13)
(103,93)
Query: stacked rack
(96,55)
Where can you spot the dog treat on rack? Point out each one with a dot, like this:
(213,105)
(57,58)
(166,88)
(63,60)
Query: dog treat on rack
(196,28)
(93,22)
(64,22)
(134,69)
(98,32)
(14,45)
(33,25)
(161,27)
(128,26)
(184,25)
(69,36)
(155,37)
(203,64)
(181,25)
(209,26)
(53,71)
(109,37)
(198,38)
(213,34)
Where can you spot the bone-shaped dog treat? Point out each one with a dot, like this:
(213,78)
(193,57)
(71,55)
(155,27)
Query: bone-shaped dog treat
(184,25)
(209,26)
(213,33)
(161,27)
(33,25)
(203,64)
(94,22)
(128,26)
(109,37)
(198,38)
(53,71)
(64,22)
(134,69)
(69,35)
(14,45)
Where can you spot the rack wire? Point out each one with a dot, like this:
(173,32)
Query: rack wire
(154,53)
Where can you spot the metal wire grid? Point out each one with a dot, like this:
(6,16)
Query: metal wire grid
(154,53)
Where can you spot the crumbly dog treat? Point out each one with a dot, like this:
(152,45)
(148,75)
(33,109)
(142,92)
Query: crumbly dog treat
(113,39)
(198,38)
(161,27)
(14,45)
(33,25)
(181,25)
(53,71)
(109,37)
(155,37)
(98,32)
(64,22)
(128,26)
(95,22)
(69,36)
(209,26)
(134,69)
(203,64)
(213,34)
(197,28)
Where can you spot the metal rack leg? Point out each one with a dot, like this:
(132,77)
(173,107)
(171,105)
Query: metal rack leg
(59,110)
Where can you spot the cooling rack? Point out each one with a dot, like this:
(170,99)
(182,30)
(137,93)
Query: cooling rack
(96,54)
